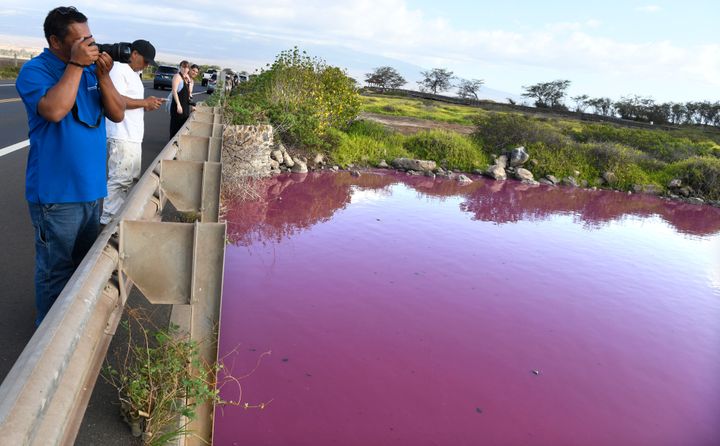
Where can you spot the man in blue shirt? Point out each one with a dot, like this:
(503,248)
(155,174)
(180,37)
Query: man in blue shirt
(67,92)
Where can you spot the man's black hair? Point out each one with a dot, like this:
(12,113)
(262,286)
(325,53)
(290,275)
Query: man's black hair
(194,66)
(59,20)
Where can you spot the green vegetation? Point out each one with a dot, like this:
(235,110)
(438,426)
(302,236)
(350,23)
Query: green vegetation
(636,156)
(434,110)
(159,377)
(312,106)
(302,97)
(9,72)
(449,149)
(366,142)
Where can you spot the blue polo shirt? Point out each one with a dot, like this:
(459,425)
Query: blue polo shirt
(67,159)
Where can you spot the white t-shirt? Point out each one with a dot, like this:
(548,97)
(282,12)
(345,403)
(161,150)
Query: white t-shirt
(128,83)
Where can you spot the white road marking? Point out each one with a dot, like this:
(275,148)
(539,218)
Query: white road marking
(14,147)
(7,85)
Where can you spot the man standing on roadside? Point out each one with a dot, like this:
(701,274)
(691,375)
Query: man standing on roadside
(124,139)
(67,91)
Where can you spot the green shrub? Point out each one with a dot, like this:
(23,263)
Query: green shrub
(301,96)
(700,173)
(450,149)
(497,132)
(9,72)
(659,144)
(365,144)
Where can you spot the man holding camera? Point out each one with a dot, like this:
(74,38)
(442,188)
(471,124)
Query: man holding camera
(125,138)
(67,92)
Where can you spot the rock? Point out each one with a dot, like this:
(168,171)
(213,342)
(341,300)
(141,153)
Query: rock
(501,161)
(299,166)
(651,189)
(524,174)
(288,159)
(685,191)
(610,178)
(411,164)
(277,155)
(335,168)
(518,156)
(534,162)
(675,184)
(530,182)
(383,164)
(552,179)
(576,173)
(274,165)
(463,179)
(478,172)
(319,159)
(546,182)
(695,200)
(569,181)
(414,173)
(429,174)
(496,172)
(355,173)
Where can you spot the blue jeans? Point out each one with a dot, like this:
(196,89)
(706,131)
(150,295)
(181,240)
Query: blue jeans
(64,233)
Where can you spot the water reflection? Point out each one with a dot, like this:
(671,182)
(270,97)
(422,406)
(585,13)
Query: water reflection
(291,203)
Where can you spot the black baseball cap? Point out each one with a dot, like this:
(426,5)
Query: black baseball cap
(146,50)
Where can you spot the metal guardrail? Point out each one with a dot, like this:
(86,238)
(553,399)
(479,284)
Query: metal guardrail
(44,396)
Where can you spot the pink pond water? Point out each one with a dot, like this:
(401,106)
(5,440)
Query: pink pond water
(410,311)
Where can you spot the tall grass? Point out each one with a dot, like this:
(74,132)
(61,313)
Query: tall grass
(449,149)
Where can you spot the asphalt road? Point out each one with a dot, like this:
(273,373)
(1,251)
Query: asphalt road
(102,424)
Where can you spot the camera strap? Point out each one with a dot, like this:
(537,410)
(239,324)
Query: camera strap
(90,126)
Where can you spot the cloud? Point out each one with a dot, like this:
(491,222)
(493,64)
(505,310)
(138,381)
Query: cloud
(395,29)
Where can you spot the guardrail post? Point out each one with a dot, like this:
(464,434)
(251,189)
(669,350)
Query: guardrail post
(192,187)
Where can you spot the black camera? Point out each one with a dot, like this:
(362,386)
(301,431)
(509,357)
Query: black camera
(120,52)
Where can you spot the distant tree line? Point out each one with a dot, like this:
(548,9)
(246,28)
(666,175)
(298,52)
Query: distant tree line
(552,95)
(634,108)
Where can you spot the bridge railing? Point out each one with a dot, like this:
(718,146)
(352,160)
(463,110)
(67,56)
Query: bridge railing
(44,396)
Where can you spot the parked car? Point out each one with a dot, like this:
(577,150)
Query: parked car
(211,84)
(163,77)
(207,75)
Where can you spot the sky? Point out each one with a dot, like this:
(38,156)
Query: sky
(666,50)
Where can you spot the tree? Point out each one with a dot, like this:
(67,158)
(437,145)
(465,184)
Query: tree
(468,89)
(678,113)
(548,94)
(437,79)
(581,103)
(602,106)
(384,78)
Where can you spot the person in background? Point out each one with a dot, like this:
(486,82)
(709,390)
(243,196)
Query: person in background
(124,139)
(180,103)
(67,92)
(192,74)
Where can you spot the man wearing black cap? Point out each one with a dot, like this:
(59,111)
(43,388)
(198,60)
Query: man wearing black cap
(124,139)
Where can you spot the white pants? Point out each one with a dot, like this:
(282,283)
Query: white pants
(123,168)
